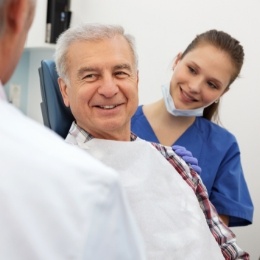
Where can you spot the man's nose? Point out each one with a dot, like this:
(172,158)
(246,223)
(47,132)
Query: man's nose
(108,86)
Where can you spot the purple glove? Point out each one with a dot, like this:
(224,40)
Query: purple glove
(187,157)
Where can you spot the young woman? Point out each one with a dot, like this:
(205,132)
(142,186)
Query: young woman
(185,115)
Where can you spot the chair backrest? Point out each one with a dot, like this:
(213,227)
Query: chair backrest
(55,114)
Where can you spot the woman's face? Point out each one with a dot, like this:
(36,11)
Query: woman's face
(200,77)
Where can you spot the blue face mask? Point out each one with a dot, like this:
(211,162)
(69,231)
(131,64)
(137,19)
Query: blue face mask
(168,100)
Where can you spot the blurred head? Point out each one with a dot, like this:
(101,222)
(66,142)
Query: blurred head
(208,66)
(16,17)
(97,65)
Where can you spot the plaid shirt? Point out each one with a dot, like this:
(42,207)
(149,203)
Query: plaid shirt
(223,235)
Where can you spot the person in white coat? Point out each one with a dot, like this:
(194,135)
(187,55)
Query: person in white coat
(56,202)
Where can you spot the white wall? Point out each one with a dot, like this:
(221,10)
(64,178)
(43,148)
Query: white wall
(162,29)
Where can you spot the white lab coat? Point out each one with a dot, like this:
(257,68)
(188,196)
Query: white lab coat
(57,202)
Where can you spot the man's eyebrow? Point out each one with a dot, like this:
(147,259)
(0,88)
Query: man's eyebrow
(83,70)
(123,66)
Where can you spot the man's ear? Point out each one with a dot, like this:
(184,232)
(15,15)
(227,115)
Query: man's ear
(16,15)
(64,91)
(137,75)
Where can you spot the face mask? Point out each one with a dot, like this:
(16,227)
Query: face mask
(168,100)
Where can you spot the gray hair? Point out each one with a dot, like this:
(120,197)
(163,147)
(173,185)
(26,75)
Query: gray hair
(87,32)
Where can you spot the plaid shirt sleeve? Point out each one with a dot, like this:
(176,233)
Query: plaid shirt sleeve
(223,235)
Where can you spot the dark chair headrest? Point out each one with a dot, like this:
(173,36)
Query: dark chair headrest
(55,114)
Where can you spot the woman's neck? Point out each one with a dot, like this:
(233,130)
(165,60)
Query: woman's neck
(167,128)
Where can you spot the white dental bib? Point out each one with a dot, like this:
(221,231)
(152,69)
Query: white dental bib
(165,207)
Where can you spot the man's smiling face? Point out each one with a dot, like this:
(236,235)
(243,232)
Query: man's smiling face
(103,87)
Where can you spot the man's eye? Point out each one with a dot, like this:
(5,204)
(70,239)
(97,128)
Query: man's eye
(121,74)
(90,77)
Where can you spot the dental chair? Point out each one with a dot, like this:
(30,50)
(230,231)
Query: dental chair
(55,114)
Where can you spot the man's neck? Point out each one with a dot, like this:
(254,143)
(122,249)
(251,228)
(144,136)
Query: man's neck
(116,136)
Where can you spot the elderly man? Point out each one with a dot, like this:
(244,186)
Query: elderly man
(55,202)
(97,65)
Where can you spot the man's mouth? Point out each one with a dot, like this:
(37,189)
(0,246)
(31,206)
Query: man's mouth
(108,107)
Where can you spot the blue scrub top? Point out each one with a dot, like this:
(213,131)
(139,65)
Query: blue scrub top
(218,155)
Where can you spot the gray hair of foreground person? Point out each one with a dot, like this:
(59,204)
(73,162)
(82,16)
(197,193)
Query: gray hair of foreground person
(87,32)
